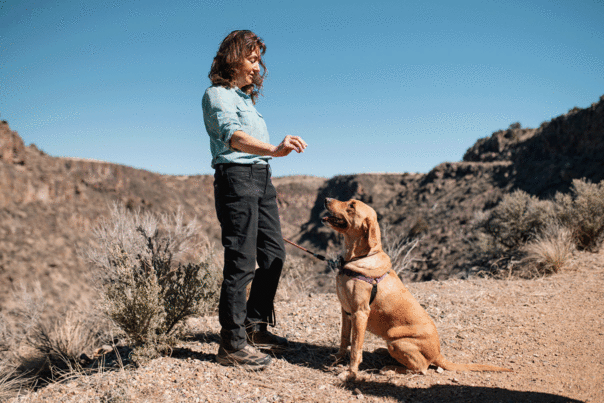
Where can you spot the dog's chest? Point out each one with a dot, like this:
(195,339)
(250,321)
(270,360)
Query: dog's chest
(353,294)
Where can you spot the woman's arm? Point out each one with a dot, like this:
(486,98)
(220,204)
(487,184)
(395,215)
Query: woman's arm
(242,141)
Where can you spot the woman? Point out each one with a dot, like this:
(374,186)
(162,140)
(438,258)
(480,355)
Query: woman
(246,203)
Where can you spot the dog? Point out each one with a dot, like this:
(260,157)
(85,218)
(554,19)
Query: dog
(394,315)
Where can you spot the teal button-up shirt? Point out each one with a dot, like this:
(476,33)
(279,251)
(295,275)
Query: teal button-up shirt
(226,110)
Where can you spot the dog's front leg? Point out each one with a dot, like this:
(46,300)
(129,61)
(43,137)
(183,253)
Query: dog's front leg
(358,326)
(344,336)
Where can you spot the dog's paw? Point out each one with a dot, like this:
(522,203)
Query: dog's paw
(347,376)
(390,369)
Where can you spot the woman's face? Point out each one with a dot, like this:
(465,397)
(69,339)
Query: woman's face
(249,68)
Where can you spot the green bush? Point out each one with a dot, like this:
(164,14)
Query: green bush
(146,286)
(518,217)
(582,212)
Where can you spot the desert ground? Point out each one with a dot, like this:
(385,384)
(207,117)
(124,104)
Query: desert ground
(550,331)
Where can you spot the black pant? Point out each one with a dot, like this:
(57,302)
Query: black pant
(246,205)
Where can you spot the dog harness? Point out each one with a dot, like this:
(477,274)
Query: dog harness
(371,280)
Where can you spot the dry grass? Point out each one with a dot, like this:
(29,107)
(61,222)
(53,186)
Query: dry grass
(297,278)
(550,251)
(399,247)
(11,382)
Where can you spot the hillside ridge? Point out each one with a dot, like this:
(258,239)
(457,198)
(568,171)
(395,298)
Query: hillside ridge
(49,205)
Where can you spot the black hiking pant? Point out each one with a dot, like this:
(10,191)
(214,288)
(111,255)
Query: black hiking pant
(246,206)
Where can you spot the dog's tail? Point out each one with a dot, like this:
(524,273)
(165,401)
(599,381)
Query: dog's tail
(451,366)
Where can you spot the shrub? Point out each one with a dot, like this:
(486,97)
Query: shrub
(582,211)
(146,287)
(518,217)
(399,247)
(38,345)
(10,380)
(550,251)
(64,344)
(296,278)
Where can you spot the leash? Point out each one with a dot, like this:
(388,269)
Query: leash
(337,264)
(320,257)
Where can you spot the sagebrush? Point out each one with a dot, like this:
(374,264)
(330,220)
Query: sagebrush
(582,212)
(39,345)
(153,272)
(518,217)
(547,232)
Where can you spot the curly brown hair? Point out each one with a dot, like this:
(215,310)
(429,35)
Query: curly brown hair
(233,49)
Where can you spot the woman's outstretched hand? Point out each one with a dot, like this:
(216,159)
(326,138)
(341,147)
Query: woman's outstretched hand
(289,144)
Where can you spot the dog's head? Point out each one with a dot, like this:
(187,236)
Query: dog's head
(354,219)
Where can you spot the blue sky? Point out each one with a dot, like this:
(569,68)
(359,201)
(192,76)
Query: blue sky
(395,86)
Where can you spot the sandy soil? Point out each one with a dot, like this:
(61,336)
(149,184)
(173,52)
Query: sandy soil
(550,331)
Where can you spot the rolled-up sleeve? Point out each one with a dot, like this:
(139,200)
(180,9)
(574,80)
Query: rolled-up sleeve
(220,116)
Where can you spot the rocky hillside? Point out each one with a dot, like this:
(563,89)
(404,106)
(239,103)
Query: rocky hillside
(445,204)
(49,205)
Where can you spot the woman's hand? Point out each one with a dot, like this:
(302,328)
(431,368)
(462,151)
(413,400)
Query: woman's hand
(289,144)
(242,141)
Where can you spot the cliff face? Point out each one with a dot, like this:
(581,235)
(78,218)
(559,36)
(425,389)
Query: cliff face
(545,160)
(450,199)
(49,205)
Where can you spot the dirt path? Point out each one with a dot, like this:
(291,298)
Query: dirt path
(549,331)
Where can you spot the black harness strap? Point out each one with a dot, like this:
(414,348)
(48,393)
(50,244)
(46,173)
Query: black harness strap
(373,281)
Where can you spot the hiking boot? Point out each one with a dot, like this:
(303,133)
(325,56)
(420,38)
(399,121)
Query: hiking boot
(248,357)
(265,340)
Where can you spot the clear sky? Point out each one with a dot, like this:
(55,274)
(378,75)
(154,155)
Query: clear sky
(372,86)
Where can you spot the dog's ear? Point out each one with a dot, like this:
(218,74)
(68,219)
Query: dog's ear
(373,232)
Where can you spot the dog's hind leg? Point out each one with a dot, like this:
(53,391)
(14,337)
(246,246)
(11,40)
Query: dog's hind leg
(408,354)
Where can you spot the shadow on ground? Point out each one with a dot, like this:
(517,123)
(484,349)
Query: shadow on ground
(320,358)
(453,394)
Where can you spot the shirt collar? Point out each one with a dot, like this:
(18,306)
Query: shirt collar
(243,94)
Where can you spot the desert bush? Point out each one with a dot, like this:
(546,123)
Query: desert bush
(139,267)
(11,382)
(549,251)
(582,211)
(39,345)
(65,343)
(296,279)
(518,217)
(399,247)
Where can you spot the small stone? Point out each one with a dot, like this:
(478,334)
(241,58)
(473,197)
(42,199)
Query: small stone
(440,370)
(358,393)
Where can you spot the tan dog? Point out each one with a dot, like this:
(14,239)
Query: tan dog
(394,315)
